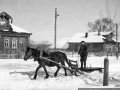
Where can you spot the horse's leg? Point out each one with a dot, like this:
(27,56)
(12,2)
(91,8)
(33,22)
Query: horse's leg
(58,68)
(65,72)
(47,75)
(63,63)
(37,71)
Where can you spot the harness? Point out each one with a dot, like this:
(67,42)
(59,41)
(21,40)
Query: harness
(37,54)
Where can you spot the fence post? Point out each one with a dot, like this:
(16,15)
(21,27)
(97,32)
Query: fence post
(106,72)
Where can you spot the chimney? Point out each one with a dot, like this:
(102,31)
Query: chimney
(86,35)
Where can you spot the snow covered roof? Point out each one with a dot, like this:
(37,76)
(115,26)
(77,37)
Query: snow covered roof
(93,37)
(18,29)
(5,14)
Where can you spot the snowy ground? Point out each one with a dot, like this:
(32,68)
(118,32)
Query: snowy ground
(16,74)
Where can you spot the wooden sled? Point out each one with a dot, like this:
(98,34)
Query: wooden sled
(74,66)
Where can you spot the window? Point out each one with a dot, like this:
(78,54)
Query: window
(21,44)
(2,21)
(14,44)
(6,43)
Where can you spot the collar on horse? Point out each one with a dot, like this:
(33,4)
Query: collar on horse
(38,54)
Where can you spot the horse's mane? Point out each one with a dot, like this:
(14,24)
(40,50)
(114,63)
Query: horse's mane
(37,52)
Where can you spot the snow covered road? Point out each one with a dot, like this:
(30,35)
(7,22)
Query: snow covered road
(16,74)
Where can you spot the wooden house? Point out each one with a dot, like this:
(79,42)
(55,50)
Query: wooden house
(95,42)
(13,39)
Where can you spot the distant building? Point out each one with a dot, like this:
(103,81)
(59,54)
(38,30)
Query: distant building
(95,42)
(63,43)
(13,39)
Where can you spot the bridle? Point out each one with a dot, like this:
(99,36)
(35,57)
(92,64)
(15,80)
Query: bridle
(37,54)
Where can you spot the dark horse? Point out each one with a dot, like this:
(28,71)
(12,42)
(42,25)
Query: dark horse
(56,56)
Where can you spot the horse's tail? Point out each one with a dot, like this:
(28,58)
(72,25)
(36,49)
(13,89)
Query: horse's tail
(66,59)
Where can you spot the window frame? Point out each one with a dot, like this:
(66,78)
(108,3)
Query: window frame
(14,44)
(6,43)
(21,43)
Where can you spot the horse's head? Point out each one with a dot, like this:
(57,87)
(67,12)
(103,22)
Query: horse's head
(28,53)
(31,52)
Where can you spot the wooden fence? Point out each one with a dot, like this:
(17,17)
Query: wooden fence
(12,56)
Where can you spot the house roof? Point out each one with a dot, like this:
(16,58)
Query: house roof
(14,27)
(19,30)
(6,14)
(93,37)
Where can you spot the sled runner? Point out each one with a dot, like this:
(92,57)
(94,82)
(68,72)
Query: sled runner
(91,69)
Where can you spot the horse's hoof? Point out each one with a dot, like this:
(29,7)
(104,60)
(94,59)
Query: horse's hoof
(55,75)
(46,77)
(76,75)
(33,78)
(65,74)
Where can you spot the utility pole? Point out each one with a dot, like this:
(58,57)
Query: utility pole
(117,41)
(55,34)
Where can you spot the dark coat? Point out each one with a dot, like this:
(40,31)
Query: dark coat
(83,50)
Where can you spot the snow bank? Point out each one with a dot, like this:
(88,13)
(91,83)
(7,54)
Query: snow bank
(17,75)
(23,82)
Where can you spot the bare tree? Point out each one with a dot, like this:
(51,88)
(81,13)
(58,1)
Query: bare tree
(102,25)
(42,45)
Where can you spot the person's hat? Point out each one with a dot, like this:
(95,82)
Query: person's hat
(82,41)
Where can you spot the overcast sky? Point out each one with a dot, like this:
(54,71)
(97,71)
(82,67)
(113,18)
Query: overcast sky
(37,16)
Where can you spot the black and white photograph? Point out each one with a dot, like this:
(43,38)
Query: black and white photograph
(59,44)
